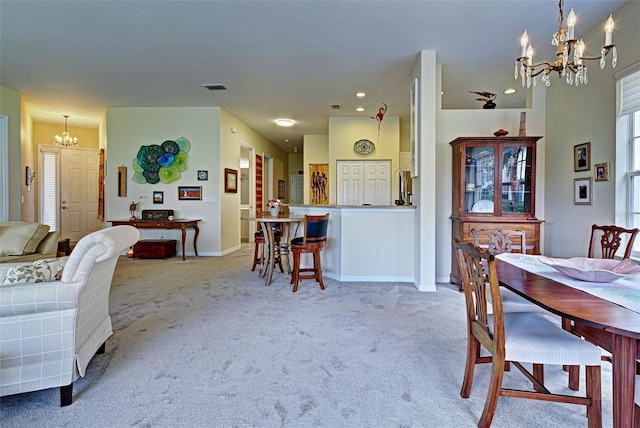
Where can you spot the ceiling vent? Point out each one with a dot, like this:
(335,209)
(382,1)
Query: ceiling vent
(335,106)
(214,87)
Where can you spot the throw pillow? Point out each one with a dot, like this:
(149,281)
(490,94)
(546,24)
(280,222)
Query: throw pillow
(40,271)
(16,237)
(36,238)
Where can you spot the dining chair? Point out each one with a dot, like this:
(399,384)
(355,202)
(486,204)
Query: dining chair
(610,240)
(604,243)
(312,241)
(498,241)
(259,245)
(518,337)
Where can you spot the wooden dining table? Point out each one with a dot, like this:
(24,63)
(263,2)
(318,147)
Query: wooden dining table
(267,223)
(605,323)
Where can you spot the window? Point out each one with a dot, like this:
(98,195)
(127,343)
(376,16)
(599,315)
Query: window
(49,188)
(630,121)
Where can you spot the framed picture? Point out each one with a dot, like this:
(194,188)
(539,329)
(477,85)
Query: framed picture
(281,193)
(230,180)
(158,197)
(582,157)
(186,193)
(582,191)
(601,171)
(319,183)
(203,175)
(414,140)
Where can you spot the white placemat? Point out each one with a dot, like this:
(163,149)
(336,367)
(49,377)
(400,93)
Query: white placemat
(624,291)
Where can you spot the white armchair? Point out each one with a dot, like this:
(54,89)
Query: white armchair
(49,331)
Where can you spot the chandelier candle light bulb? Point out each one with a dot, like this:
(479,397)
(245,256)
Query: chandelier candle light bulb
(608,31)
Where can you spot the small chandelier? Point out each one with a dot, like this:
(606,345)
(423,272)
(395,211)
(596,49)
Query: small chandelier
(570,54)
(66,139)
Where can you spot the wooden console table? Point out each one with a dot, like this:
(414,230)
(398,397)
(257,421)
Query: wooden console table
(165,224)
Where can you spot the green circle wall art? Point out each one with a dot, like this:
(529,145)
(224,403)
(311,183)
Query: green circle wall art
(161,163)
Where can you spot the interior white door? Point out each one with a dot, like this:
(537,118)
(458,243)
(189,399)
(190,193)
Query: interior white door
(363,182)
(78,192)
(296,190)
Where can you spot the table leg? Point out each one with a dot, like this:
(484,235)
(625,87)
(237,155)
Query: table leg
(184,236)
(623,373)
(195,238)
(267,230)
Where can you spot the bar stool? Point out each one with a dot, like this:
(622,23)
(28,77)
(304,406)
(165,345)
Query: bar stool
(312,241)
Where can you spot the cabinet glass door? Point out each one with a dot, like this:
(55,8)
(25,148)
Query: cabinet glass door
(479,178)
(516,180)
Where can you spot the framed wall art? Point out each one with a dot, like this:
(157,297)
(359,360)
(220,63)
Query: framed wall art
(319,183)
(230,180)
(601,171)
(158,197)
(582,157)
(281,192)
(582,191)
(186,193)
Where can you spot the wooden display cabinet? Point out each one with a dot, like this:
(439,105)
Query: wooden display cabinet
(494,187)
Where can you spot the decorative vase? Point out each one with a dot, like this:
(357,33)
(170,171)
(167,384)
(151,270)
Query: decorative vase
(274,211)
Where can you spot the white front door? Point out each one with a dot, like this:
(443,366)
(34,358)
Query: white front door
(78,192)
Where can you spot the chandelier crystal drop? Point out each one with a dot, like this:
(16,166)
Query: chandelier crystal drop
(66,139)
(570,54)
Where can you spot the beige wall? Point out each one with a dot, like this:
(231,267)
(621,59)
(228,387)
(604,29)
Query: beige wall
(345,131)
(316,150)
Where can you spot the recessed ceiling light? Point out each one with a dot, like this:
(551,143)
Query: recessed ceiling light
(284,122)
(509,91)
(360,94)
(360,109)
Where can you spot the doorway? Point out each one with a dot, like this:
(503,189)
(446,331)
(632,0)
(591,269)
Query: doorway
(247,191)
(69,190)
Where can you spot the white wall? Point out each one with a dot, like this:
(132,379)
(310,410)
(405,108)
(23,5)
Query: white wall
(479,122)
(130,128)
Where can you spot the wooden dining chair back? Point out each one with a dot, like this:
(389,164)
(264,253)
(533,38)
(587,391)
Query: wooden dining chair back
(519,337)
(607,240)
(312,241)
(500,241)
(259,244)
(506,241)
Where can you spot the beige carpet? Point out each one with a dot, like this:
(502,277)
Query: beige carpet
(203,343)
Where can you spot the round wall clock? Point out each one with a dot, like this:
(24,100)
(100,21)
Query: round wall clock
(364,147)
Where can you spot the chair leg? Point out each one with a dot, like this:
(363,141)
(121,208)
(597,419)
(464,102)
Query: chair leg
(255,256)
(66,395)
(538,373)
(594,391)
(473,352)
(317,266)
(493,395)
(295,278)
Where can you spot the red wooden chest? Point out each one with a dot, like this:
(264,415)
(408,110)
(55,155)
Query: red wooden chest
(154,248)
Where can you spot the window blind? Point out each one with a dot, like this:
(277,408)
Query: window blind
(630,93)
(49,193)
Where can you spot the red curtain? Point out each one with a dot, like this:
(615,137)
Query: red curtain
(259,203)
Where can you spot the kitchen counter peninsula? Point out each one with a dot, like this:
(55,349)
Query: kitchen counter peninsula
(366,243)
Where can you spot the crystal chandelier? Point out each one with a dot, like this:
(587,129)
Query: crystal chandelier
(570,54)
(66,139)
